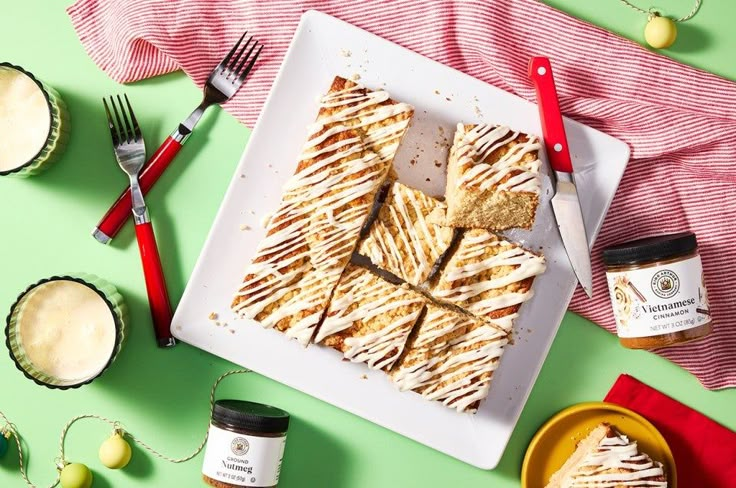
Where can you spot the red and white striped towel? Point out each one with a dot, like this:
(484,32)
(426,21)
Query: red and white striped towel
(680,122)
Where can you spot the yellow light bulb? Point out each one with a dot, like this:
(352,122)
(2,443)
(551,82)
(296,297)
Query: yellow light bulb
(76,475)
(660,32)
(115,452)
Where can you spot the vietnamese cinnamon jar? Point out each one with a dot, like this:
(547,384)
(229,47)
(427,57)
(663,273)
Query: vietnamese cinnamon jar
(658,291)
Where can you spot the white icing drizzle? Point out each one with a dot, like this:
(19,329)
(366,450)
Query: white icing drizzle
(401,240)
(469,262)
(363,297)
(460,375)
(472,147)
(432,339)
(616,453)
(322,210)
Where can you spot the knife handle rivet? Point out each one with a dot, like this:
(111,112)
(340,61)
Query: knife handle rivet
(542,70)
(557,147)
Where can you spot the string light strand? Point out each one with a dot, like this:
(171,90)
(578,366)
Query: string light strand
(61,460)
(689,16)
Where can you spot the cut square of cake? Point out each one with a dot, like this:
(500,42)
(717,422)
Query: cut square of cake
(401,240)
(430,339)
(451,359)
(608,459)
(325,204)
(489,277)
(492,178)
(369,319)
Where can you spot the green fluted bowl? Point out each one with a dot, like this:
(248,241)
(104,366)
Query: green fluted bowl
(58,135)
(107,292)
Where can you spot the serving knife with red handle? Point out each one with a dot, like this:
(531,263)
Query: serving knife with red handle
(565,203)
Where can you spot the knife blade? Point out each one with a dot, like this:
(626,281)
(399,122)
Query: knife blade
(565,203)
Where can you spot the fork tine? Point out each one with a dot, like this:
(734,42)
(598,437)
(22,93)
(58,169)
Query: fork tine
(121,127)
(136,127)
(111,125)
(237,58)
(226,60)
(247,69)
(245,58)
(128,126)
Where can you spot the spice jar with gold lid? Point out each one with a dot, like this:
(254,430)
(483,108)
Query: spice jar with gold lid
(658,291)
(245,445)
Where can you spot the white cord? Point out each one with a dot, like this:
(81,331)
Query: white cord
(61,462)
(652,11)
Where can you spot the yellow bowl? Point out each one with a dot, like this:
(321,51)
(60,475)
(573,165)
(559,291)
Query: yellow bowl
(556,440)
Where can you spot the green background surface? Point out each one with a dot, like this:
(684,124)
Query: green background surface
(161,396)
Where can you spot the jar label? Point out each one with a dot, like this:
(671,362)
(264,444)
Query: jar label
(660,299)
(241,459)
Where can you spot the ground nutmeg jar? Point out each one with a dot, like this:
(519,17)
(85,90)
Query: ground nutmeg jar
(658,291)
(245,445)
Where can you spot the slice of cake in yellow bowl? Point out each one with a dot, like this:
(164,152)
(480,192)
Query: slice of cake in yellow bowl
(608,459)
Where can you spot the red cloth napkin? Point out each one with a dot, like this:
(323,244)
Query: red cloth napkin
(680,122)
(704,450)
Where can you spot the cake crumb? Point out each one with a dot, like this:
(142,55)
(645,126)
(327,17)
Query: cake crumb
(413,162)
(217,323)
(477,111)
(345,53)
(244,227)
(252,212)
(232,331)
(355,77)
(242,176)
(448,99)
(266,219)
(437,163)
(364,377)
(427,179)
(212,316)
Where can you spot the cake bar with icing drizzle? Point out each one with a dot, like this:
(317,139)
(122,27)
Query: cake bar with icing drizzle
(492,178)
(324,205)
(369,319)
(401,240)
(451,358)
(608,459)
(489,277)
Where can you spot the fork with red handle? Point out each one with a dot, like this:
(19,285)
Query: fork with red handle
(221,86)
(130,153)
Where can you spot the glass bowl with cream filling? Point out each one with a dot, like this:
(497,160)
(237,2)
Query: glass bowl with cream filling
(65,331)
(34,123)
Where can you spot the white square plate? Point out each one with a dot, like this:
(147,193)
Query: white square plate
(322,48)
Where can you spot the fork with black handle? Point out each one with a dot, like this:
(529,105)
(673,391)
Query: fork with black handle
(130,152)
(221,86)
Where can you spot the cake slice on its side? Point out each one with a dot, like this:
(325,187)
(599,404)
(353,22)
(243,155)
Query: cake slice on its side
(369,319)
(451,359)
(608,459)
(316,228)
(492,178)
(401,240)
(489,277)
